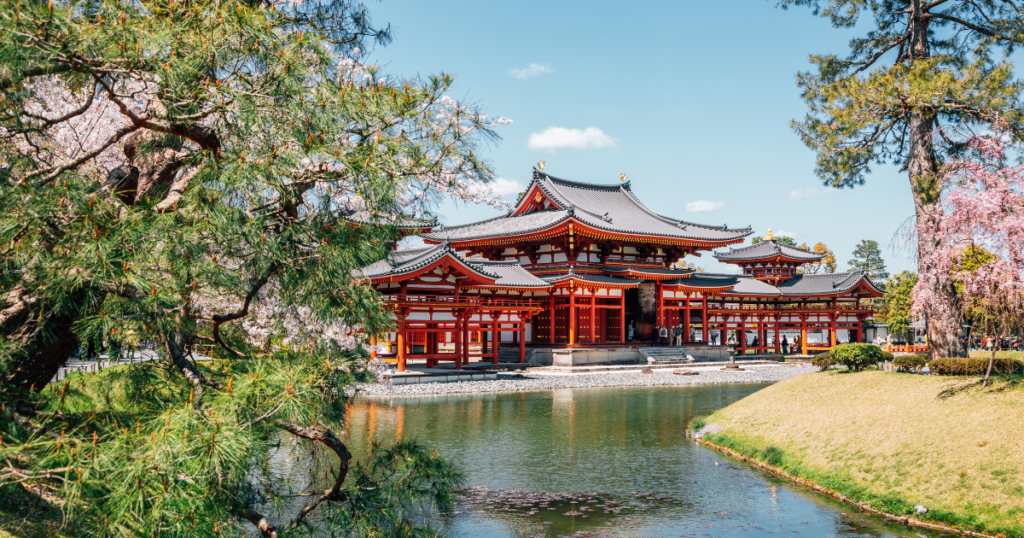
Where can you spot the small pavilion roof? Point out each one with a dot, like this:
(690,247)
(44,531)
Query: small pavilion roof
(495,274)
(653,273)
(769,248)
(611,208)
(817,285)
(400,220)
(603,280)
(706,281)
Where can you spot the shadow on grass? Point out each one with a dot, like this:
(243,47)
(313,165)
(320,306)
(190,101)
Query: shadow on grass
(996,383)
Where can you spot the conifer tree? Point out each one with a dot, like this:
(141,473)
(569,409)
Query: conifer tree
(867,257)
(924,69)
(178,173)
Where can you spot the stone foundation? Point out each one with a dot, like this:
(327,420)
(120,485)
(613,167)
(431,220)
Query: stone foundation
(622,355)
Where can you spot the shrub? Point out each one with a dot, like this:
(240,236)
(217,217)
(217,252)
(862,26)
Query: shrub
(975,366)
(858,356)
(910,363)
(823,361)
(697,424)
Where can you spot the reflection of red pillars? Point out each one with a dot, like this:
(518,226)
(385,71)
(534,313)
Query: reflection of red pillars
(522,338)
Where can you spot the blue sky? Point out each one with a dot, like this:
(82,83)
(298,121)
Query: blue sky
(692,100)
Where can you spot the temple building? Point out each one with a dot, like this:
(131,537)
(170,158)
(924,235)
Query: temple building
(581,266)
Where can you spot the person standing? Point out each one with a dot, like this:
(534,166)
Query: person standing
(713,335)
(663,336)
(629,332)
(784,345)
(678,335)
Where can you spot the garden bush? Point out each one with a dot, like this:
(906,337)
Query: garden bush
(975,366)
(910,363)
(858,356)
(823,361)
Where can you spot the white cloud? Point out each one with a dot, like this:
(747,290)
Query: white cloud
(784,233)
(701,206)
(803,194)
(554,138)
(532,70)
(506,187)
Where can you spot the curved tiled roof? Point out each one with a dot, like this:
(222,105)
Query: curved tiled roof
(803,285)
(615,208)
(768,248)
(596,279)
(401,220)
(510,274)
(825,284)
(706,281)
(605,207)
(504,274)
(499,226)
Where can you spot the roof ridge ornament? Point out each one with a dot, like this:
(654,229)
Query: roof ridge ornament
(571,210)
(622,177)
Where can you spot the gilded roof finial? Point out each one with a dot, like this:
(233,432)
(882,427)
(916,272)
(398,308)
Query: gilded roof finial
(622,176)
(769,236)
(541,164)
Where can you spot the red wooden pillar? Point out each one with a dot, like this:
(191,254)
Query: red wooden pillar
(593,315)
(551,309)
(522,338)
(741,335)
(704,316)
(622,316)
(572,316)
(495,335)
(373,347)
(660,306)
(457,336)
(686,319)
(465,342)
(400,336)
(778,344)
(833,334)
(483,336)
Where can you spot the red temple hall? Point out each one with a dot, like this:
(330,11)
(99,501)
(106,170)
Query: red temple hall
(582,273)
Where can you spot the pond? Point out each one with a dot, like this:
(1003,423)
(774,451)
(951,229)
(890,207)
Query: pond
(602,462)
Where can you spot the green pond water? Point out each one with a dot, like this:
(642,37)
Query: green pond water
(602,462)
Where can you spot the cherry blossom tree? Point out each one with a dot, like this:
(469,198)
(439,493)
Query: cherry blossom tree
(983,211)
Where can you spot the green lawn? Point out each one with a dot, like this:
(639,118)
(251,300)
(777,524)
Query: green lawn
(894,440)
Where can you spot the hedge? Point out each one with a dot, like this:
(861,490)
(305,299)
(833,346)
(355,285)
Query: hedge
(975,366)
(910,363)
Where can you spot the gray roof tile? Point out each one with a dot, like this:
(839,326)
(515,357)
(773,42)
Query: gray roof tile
(505,274)
(768,249)
(606,207)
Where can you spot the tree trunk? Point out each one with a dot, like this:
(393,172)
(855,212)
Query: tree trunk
(43,345)
(943,322)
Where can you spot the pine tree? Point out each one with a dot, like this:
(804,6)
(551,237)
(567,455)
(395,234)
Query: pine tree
(867,257)
(899,303)
(208,172)
(949,70)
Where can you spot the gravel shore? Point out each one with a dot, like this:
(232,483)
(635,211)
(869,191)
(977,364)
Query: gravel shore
(531,381)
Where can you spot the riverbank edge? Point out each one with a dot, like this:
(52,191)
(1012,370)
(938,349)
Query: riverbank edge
(805,483)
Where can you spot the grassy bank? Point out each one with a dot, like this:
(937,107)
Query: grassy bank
(894,440)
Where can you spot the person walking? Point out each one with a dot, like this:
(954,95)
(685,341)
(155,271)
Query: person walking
(678,332)
(663,336)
